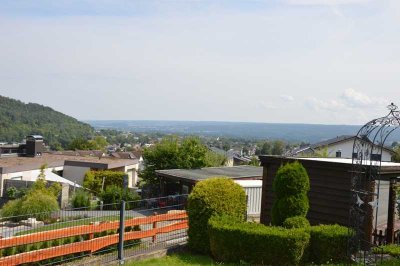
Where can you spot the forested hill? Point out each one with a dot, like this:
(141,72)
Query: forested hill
(17,120)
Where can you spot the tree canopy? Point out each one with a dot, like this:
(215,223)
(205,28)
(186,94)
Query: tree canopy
(171,153)
(98,143)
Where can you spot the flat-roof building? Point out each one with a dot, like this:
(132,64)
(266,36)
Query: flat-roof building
(70,167)
(330,190)
(182,181)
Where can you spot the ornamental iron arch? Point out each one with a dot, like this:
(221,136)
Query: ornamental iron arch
(365,184)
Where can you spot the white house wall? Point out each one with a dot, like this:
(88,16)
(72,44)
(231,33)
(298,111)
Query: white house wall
(132,172)
(383,202)
(253,200)
(346,148)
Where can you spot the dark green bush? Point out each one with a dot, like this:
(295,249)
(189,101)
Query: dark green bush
(211,197)
(14,193)
(113,195)
(291,186)
(289,207)
(9,251)
(44,245)
(328,243)
(81,199)
(234,241)
(296,222)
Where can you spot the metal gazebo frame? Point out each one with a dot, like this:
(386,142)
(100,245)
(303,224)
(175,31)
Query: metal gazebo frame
(366,164)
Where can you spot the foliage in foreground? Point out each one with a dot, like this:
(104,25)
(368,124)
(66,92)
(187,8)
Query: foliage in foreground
(272,245)
(393,250)
(291,186)
(233,241)
(328,243)
(212,197)
(296,222)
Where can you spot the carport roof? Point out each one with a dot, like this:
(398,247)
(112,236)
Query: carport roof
(234,172)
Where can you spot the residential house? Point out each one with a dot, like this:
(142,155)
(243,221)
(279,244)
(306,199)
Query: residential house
(339,147)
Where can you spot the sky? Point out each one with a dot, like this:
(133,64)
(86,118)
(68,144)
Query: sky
(277,61)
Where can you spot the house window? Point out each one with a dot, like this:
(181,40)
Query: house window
(375,157)
(338,154)
(185,189)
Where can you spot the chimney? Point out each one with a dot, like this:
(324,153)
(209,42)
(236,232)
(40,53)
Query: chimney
(34,145)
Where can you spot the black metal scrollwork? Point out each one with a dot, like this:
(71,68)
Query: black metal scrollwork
(366,164)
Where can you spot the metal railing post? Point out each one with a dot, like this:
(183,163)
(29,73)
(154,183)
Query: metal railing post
(247,206)
(121,233)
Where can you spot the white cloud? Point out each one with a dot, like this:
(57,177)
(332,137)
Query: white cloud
(266,106)
(329,105)
(350,99)
(351,106)
(357,99)
(287,97)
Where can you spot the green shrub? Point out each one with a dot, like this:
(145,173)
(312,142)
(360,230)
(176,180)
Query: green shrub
(291,186)
(81,199)
(39,201)
(234,241)
(392,250)
(210,197)
(9,251)
(38,205)
(12,209)
(93,180)
(328,243)
(45,244)
(113,195)
(296,222)
(14,193)
(67,240)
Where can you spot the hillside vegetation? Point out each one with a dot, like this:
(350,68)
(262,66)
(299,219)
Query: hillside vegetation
(17,120)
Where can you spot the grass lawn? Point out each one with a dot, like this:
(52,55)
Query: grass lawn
(188,259)
(180,259)
(60,225)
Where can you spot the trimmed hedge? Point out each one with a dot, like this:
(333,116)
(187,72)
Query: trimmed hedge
(391,249)
(232,240)
(291,186)
(328,243)
(296,222)
(213,196)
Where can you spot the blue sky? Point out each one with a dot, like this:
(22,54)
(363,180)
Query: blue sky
(285,61)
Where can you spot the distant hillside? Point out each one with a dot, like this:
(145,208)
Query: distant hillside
(18,120)
(290,132)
